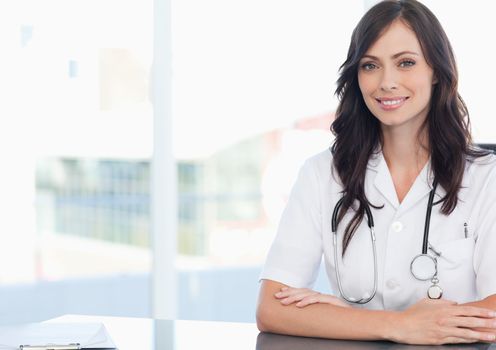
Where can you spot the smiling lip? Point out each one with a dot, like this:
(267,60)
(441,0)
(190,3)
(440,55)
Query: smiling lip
(391,103)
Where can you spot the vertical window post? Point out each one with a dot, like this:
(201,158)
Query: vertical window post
(163,175)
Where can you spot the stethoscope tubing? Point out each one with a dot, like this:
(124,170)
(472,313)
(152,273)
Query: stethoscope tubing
(425,242)
(370,222)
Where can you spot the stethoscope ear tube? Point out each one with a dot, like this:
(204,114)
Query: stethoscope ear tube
(334,222)
(368,297)
(335,212)
(425,243)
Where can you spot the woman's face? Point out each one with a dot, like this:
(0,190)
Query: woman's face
(395,79)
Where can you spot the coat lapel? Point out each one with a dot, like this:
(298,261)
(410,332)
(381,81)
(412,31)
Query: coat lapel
(383,181)
(420,189)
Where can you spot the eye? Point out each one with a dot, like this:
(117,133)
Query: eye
(368,66)
(407,63)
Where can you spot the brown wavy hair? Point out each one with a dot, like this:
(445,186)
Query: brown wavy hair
(357,131)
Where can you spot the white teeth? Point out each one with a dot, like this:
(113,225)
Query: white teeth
(391,102)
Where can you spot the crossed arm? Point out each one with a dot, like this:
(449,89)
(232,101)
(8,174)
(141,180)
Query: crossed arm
(303,312)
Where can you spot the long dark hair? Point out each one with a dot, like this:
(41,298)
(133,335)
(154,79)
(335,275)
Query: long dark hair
(358,133)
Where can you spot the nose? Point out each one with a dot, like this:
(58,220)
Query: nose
(389,79)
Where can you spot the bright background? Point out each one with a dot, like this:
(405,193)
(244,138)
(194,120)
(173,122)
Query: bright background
(252,97)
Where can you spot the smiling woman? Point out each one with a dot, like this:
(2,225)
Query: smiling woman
(394,76)
(400,207)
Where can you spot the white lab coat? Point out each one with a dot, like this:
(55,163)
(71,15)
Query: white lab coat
(466,267)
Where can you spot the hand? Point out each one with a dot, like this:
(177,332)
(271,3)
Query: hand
(439,322)
(304,296)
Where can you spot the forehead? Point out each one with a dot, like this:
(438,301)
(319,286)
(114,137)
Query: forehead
(397,37)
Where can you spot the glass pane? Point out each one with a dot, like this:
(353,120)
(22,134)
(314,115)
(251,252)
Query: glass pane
(253,97)
(76,139)
(471,44)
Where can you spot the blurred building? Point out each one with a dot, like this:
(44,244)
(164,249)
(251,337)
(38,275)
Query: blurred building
(108,199)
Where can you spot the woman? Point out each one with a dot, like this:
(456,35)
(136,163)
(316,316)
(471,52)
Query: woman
(403,158)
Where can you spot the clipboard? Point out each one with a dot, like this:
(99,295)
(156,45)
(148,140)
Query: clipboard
(56,336)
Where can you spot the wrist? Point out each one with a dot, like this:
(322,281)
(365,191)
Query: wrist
(392,326)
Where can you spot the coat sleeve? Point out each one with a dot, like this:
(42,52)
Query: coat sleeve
(485,246)
(295,255)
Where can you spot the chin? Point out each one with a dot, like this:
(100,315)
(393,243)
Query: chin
(389,120)
(391,123)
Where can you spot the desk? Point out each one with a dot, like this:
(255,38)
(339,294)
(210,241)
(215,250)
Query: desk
(148,334)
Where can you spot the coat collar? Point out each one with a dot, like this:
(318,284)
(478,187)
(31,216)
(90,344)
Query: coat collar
(383,183)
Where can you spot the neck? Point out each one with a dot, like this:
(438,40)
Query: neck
(404,151)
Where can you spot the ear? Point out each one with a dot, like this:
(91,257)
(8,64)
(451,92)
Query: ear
(434,80)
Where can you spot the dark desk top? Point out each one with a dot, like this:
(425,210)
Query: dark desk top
(148,334)
(267,341)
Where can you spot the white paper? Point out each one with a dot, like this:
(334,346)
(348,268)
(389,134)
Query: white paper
(88,335)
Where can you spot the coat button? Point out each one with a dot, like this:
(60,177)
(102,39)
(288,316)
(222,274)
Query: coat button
(392,283)
(397,226)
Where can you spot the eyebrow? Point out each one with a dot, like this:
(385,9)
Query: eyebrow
(396,55)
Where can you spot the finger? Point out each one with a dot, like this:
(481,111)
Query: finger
(455,340)
(312,299)
(335,301)
(297,297)
(290,291)
(306,301)
(469,334)
(465,310)
(321,298)
(330,299)
(471,322)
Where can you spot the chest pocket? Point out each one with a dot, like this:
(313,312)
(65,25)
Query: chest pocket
(455,269)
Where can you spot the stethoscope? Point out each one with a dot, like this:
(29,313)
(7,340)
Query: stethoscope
(423,266)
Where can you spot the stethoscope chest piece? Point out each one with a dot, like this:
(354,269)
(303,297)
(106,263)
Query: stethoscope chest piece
(434,291)
(424,268)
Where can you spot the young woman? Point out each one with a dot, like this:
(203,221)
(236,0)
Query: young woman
(401,207)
